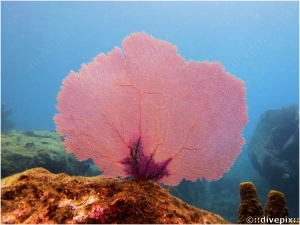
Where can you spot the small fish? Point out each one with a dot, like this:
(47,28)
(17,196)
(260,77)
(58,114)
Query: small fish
(285,176)
(284,162)
(268,147)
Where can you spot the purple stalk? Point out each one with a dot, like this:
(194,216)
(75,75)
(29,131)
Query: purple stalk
(144,167)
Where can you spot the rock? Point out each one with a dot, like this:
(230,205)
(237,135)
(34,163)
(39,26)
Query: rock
(6,124)
(274,152)
(22,150)
(274,147)
(37,196)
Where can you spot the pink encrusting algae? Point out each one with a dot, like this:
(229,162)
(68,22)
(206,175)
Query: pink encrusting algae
(146,112)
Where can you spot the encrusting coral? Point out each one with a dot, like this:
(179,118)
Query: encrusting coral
(37,196)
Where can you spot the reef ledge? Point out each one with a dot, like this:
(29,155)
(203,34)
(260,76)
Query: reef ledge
(38,196)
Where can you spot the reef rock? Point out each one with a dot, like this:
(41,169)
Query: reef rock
(274,151)
(37,196)
(6,124)
(22,150)
(274,147)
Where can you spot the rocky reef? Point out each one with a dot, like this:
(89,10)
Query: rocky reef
(6,124)
(274,151)
(22,150)
(36,196)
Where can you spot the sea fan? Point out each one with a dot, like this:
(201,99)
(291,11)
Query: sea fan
(146,112)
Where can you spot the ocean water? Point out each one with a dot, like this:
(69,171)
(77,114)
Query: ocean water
(41,42)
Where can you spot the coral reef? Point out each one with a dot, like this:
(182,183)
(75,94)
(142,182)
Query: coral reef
(274,152)
(250,205)
(6,124)
(37,196)
(22,150)
(275,206)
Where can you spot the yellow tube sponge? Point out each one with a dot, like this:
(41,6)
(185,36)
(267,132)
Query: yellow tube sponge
(250,206)
(275,206)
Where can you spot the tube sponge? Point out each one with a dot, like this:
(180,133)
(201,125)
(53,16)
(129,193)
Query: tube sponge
(275,206)
(250,205)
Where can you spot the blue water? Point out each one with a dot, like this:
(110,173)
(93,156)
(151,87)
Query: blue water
(257,42)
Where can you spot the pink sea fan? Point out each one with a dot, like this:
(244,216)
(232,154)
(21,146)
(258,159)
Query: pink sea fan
(148,113)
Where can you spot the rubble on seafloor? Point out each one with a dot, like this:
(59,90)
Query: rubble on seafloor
(38,196)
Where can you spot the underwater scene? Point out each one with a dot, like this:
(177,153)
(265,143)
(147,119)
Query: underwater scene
(149,112)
